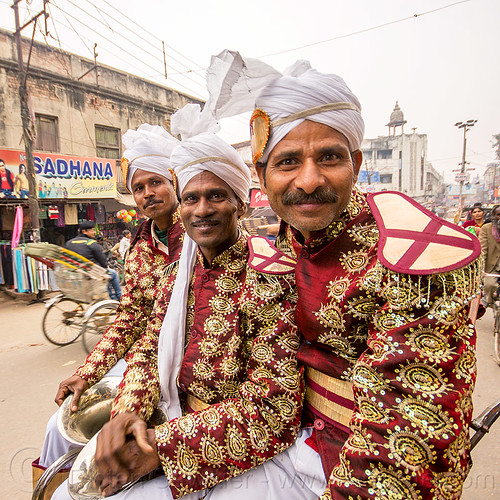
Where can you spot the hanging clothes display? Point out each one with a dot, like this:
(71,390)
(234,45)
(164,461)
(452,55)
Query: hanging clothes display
(71,214)
(53,212)
(100,214)
(90,212)
(18,227)
(24,274)
(61,218)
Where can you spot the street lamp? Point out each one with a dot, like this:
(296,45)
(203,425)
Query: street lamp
(466,126)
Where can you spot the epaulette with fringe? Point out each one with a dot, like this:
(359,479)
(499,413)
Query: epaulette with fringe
(415,241)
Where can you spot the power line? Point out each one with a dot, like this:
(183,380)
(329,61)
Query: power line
(151,34)
(145,40)
(116,45)
(365,30)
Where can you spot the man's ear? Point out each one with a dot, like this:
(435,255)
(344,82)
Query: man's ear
(261,172)
(357,161)
(242,209)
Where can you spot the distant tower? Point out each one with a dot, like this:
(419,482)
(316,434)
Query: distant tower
(397,120)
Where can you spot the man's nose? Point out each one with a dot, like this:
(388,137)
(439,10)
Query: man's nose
(309,177)
(203,208)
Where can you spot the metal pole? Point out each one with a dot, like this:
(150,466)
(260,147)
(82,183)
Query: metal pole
(462,170)
(27,133)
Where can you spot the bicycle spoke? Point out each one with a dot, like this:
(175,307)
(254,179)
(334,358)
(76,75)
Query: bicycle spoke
(61,323)
(94,328)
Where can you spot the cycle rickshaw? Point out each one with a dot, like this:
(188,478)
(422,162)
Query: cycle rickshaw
(83,307)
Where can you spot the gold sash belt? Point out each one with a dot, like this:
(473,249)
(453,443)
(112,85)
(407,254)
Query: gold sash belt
(329,398)
(196,404)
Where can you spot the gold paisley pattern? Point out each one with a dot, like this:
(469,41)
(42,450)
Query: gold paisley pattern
(362,307)
(386,483)
(186,461)
(401,294)
(423,378)
(331,316)
(360,441)
(240,359)
(405,343)
(354,262)
(447,484)
(235,444)
(428,418)
(365,377)
(143,271)
(211,452)
(431,344)
(369,410)
(365,235)
(338,288)
(409,450)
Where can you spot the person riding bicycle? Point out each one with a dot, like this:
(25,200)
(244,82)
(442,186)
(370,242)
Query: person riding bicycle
(120,249)
(489,237)
(85,245)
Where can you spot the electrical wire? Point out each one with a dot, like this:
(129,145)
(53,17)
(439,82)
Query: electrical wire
(118,33)
(121,48)
(414,16)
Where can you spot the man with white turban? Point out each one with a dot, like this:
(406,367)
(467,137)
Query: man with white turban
(384,289)
(147,173)
(228,376)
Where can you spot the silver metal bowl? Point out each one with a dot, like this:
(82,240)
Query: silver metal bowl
(94,410)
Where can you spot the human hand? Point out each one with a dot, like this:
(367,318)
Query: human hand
(126,451)
(74,384)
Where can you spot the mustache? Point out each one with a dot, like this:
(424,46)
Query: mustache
(317,196)
(150,202)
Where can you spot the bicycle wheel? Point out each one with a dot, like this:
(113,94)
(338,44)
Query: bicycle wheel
(93,329)
(497,335)
(62,321)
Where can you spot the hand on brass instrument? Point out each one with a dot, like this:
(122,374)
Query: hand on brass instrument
(74,384)
(126,451)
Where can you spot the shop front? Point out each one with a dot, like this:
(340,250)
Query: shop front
(70,190)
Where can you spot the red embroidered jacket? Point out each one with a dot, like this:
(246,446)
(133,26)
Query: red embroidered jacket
(240,361)
(403,340)
(144,267)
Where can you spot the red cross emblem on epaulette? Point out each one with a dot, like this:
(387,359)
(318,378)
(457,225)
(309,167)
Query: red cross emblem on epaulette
(266,258)
(413,240)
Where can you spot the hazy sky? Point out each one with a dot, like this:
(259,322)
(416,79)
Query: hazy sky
(442,66)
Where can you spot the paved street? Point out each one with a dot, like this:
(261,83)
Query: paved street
(31,368)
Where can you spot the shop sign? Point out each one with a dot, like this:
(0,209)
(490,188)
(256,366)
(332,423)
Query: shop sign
(61,176)
(462,177)
(258,198)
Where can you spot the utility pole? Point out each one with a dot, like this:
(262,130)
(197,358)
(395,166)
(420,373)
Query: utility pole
(466,126)
(28,125)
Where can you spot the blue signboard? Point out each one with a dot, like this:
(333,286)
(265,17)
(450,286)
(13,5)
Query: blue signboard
(363,177)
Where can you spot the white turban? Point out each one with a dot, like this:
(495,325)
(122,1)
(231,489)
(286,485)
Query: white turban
(237,85)
(205,151)
(148,148)
(200,150)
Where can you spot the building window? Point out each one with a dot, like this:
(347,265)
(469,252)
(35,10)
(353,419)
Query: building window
(367,155)
(384,154)
(47,136)
(386,178)
(107,141)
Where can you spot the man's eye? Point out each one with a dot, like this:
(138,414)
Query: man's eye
(286,164)
(331,157)
(137,189)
